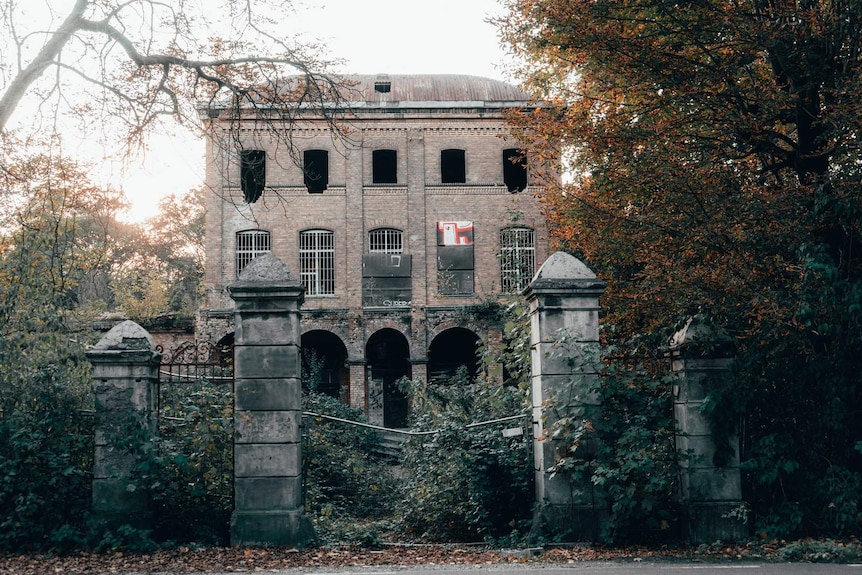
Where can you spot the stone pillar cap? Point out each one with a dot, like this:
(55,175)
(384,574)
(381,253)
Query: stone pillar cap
(126,336)
(699,334)
(564,272)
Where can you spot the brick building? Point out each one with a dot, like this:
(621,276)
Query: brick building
(404,227)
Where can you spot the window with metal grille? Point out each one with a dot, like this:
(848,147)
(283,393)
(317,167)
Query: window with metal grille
(249,245)
(517,258)
(317,262)
(385,241)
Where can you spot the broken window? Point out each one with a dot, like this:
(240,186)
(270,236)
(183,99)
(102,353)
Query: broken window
(252,174)
(517,258)
(515,169)
(249,245)
(317,262)
(452,167)
(384,167)
(315,169)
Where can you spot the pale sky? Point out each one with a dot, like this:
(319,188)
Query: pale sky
(372,36)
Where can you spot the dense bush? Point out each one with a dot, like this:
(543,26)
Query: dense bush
(465,483)
(192,482)
(45,472)
(347,487)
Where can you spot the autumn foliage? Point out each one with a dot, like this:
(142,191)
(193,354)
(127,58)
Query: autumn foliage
(712,166)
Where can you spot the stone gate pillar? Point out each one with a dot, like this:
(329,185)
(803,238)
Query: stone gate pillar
(564,315)
(268,408)
(125,373)
(710,490)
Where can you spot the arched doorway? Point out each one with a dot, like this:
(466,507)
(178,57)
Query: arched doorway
(451,349)
(387,356)
(324,364)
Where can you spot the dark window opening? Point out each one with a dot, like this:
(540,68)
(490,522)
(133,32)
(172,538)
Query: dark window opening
(383,87)
(515,169)
(252,174)
(453,167)
(384,167)
(315,168)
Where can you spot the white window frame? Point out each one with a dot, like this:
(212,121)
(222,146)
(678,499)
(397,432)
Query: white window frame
(517,258)
(317,262)
(249,245)
(385,241)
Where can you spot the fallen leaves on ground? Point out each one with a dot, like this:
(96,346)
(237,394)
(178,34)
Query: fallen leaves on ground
(245,559)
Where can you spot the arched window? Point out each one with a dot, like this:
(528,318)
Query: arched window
(385,241)
(249,245)
(517,258)
(317,262)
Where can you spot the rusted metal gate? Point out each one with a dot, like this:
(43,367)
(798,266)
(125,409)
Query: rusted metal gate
(195,421)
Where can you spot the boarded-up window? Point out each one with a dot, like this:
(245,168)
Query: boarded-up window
(455,258)
(386,272)
(515,169)
(315,169)
(517,258)
(249,245)
(453,167)
(252,174)
(317,262)
(384,167)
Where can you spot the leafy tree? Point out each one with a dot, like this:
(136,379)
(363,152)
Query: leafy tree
(52,236)
(162,267)
(714,152)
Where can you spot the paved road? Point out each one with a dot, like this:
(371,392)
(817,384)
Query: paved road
(597,568)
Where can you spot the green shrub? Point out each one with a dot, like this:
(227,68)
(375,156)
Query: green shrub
(465,483)
(347,488)
(825,551)
(45,475)
(192,476)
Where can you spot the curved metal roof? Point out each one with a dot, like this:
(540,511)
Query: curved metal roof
(430,88)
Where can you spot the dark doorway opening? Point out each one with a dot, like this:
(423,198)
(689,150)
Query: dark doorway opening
(449,351)
(324,364)
(387,354)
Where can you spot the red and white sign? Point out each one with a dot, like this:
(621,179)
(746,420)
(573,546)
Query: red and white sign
(455,233)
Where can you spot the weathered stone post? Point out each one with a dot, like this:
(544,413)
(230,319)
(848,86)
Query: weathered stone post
(268,408)
(703,361)
(125,372)
(564,314)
